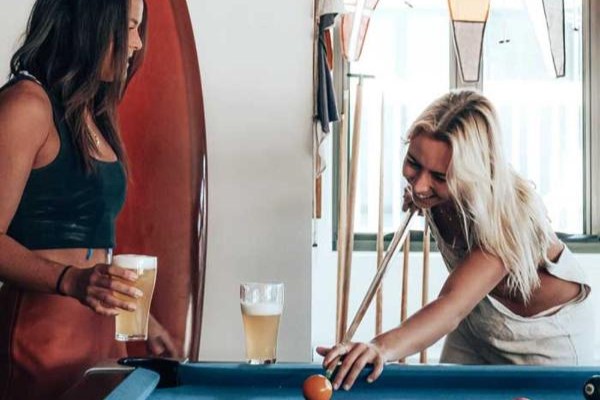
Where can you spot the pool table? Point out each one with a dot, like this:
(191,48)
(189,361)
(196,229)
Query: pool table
(284,381)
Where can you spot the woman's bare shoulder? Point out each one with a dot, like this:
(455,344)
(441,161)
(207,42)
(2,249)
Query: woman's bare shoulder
(25,109)
(26,95)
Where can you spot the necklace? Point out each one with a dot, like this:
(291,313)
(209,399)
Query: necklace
(95,138)
(91,129)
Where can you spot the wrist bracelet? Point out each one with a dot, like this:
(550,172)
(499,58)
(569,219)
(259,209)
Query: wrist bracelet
(60,279)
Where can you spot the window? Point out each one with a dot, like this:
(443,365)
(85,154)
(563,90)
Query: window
(409,51)
(541,116)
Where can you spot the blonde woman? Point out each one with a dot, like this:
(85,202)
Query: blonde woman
(515,293)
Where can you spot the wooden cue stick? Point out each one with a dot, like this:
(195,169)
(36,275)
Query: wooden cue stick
(380,245)
(397,240)
(404,298)
(404,295)
(351,203)
(399,237)
(343,198)
(425,283)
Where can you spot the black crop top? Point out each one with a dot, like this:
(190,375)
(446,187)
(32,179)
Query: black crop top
(62,206)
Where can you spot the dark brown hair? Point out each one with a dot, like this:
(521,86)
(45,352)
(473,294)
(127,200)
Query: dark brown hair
(64,48)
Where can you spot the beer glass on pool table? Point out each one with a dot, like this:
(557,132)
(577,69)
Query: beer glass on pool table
(262,305)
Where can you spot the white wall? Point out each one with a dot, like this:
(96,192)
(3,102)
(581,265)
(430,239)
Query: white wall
(256,67)
(13,22)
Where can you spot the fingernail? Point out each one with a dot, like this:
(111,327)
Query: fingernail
(138,293)
(346,387)
(336,386)
(132,307)
(132,277)
(369,380)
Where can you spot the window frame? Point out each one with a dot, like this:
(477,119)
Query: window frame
(591,114)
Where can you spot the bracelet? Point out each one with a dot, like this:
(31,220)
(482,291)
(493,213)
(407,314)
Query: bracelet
(60,279)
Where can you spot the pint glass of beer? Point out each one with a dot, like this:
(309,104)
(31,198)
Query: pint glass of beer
(133,325)
(262,305)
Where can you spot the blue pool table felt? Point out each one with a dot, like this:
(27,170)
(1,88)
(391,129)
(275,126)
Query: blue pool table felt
(403,382)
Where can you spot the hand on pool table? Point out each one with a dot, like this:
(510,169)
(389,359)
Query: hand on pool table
(355,357)
(159,341)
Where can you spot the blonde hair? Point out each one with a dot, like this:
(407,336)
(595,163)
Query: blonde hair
(499,210)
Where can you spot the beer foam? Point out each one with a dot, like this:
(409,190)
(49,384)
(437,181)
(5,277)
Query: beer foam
(262,309)
(134,261)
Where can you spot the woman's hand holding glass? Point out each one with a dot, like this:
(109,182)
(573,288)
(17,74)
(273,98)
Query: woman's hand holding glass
(355,356)
(96,287)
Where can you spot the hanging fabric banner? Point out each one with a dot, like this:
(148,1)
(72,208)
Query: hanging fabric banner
(468,24)
(327,111)
(324,103)
(548,19)
(355,24)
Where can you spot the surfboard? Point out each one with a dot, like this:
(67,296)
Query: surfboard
(165,214)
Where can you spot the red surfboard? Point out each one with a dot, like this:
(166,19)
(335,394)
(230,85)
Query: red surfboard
(165,214)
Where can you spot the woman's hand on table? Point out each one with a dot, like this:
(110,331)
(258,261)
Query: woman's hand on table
(96,288)
(160,343)
(355,357)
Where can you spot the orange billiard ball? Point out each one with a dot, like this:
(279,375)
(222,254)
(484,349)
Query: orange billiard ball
(317,387)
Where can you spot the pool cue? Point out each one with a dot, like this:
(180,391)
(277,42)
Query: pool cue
(380,244)
(405,265)
(343,199)
(352,201)
(397,240)
(425,282)
(404,294)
